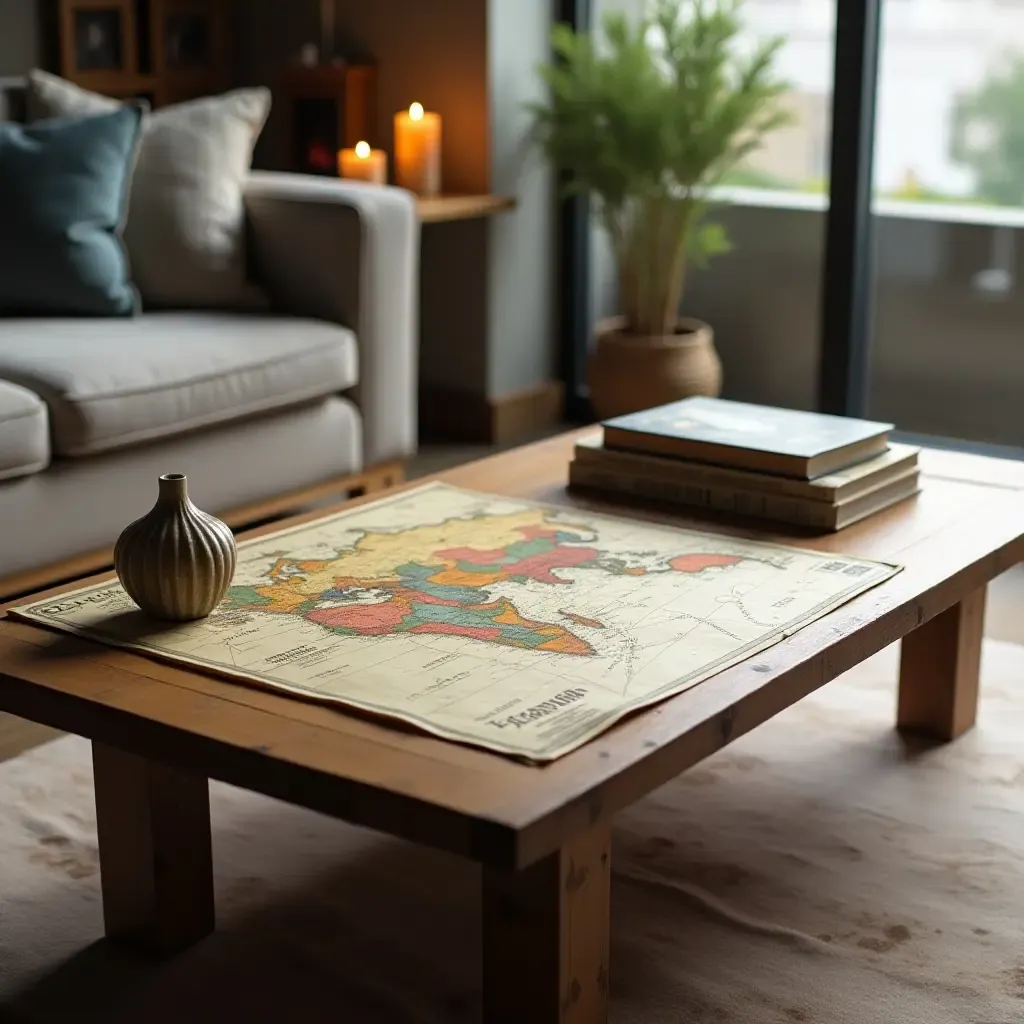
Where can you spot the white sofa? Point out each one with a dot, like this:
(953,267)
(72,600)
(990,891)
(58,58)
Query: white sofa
(260,410)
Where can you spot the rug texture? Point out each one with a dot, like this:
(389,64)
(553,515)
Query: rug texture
(817,870)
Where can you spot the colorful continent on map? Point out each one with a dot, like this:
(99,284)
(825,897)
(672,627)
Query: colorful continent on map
(437,579)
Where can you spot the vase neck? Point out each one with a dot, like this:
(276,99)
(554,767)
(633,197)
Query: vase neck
(173,487)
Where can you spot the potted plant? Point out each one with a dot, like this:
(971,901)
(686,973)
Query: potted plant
(647,123)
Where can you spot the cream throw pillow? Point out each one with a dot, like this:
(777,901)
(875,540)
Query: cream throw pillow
(185,233)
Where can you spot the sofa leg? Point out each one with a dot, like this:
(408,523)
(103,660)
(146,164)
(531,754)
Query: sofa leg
(380,478)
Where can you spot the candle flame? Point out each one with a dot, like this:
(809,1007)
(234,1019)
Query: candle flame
(416,112)
(362,150)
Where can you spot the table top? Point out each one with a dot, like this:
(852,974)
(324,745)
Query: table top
(965,527)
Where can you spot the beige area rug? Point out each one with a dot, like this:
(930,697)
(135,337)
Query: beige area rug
(817,870)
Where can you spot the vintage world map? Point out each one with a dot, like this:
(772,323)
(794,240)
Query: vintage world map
(521,628)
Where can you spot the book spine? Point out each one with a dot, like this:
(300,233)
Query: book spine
(700,475)
(719,499)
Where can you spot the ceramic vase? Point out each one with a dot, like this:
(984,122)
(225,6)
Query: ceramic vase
(630,372)
(176,562)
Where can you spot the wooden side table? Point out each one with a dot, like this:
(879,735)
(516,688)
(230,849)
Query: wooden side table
(442,209)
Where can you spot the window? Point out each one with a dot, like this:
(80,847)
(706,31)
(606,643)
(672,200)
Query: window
(795,157)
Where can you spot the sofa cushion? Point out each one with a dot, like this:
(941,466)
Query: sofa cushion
(186,221)
(112,383)
(24,432)
(63,195)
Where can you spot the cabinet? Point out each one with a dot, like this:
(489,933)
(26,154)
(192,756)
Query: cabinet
(163,51)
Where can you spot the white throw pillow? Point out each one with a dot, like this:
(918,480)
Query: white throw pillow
(185,233)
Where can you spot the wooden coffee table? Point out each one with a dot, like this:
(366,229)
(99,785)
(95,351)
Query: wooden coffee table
(541,834)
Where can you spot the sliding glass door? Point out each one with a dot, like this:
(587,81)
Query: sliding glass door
(948,339)
(876,262)
(764,297)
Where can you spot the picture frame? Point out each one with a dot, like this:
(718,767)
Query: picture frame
(98,38)
(188,40)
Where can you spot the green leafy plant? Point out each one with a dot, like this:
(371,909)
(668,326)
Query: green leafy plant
(988,134)
(647,122)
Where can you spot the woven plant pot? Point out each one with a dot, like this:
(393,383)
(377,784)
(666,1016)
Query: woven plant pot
(630,372)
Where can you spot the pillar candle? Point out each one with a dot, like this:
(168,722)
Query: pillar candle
(363,164)
(418,151)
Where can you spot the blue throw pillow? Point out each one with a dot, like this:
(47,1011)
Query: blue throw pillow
(64,189)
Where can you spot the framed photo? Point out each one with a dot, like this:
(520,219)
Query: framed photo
(99,39)
(188,41)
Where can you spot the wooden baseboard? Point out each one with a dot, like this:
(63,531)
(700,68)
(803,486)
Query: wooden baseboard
(374,478)
(526,413)
(449,415)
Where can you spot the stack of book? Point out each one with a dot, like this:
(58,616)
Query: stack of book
(806,469)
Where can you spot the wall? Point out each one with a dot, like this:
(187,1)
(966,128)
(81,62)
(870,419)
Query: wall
(522,266)
(20,40)
(435,53)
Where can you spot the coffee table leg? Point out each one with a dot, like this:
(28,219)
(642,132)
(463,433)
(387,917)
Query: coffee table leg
(156,860)
(939,668)
(545,937)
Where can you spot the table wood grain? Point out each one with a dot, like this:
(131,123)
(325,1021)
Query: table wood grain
(952,539)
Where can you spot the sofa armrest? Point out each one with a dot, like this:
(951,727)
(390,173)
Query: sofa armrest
(348,253)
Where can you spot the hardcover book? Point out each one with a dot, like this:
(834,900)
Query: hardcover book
(781,508)
(840,486)
(788,442)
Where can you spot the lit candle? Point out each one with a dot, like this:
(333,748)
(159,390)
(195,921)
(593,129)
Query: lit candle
(418,150)
(364,164)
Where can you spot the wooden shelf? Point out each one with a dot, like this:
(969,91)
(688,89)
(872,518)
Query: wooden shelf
(118,84)
(440,209)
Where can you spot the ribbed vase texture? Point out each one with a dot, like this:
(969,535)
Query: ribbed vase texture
(176,562)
